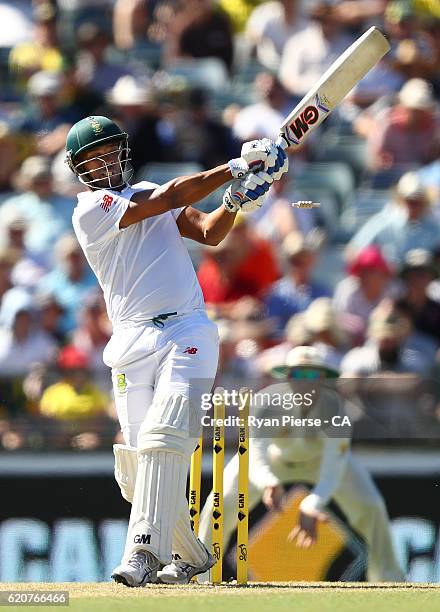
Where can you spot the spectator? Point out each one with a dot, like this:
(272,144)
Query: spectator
(325,331)
(131,20)
(73,14)
(388,348)
(42,52)
(270,26)
(91,336)
(295,291)
(278,217)
(404,134)
(405,223)
(70,280)
(239,11)
(11,152)
(95,71)
(46,122)
(417,272)
(242,265)
(50,316)
(197,136)
(47,214)
(15,23)
(308,53)
(367,284)
(22,341)
(8,258)
(29,268)
(133,107)
(75,396)
(199,29)
(410,53)
(263,119)
(75,403)
(430,178)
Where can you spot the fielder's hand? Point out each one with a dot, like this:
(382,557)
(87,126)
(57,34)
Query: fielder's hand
(247,195)
(306,532)
(260,155)
(273,497)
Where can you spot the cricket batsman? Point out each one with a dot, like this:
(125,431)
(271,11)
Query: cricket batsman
(315,457)
(163,352)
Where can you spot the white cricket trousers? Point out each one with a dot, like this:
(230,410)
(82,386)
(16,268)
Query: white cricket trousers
(159,374)
(357,497)
(150,362)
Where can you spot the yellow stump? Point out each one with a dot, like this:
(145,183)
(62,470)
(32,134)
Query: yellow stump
(195,478)
(218,460)
(243,489)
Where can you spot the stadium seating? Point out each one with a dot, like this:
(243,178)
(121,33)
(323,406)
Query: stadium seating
(344,148)
(367,202)
(335,178)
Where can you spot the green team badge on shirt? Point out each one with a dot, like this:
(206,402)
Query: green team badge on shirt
(121,383)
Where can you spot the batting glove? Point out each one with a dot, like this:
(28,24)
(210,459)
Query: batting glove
(255,155)
(247,195)
(279,165)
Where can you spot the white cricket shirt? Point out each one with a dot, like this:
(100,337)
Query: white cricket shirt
(144,269)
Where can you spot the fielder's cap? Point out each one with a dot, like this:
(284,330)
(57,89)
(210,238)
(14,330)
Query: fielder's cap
(72,358)
(369,258)
(304,357)
(127,91)
(417,94)
(44,83)
(410,186)
(418,259)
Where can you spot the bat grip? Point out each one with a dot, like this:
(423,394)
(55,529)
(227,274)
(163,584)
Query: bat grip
(280,141)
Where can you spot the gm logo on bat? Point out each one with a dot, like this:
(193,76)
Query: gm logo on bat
(309,116)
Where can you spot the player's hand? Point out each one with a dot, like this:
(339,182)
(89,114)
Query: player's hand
(306,532)
(280,164)
(273,497)
(247,195)
(256,155)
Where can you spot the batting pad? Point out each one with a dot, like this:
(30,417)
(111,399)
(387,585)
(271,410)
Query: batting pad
(160,481)
(126,463)
(185,543)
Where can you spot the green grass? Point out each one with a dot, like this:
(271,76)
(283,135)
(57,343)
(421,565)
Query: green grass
(323,597)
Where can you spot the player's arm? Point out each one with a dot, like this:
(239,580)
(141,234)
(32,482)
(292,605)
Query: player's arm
(331,473)
(187,190)
(181,191)
(205,228)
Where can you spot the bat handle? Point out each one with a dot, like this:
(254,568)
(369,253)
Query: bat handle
(282,142)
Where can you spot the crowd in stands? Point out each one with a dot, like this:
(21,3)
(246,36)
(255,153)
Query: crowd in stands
(357,276)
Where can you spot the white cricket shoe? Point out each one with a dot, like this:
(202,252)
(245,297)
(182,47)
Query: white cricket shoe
(181,572)
(140,569)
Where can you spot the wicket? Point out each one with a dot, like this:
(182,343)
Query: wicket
(218,459)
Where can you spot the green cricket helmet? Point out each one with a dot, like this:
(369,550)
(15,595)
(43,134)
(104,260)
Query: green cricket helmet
(114,170)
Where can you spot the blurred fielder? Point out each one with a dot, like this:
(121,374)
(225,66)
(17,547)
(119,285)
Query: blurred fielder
(311,457)
(163,351)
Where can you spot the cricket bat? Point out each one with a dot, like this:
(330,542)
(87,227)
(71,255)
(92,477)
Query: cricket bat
(332,87)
